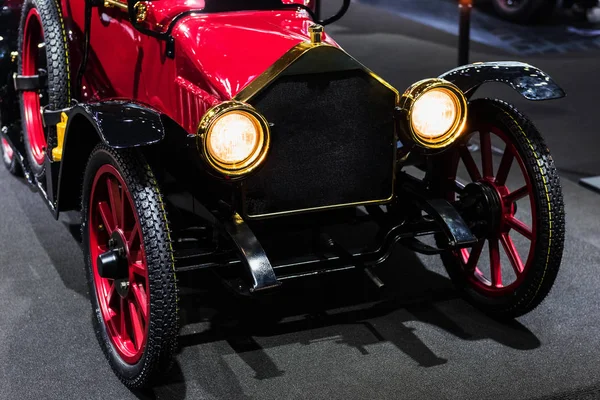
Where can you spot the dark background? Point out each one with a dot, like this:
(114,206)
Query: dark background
(339,339)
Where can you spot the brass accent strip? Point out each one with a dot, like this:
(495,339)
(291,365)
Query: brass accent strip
(315,209)
(115,4)
(289,58)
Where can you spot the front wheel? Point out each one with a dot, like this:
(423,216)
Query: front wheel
(513,201)
(130,265)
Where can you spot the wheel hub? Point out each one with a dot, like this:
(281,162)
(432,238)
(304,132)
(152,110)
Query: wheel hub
(482,206)
(114,264)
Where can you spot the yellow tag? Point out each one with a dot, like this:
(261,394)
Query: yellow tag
(61,127)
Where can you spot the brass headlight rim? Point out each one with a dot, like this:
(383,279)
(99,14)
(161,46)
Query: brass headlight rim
(253,161)
(413,93)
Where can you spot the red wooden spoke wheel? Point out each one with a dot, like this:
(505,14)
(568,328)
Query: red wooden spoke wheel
(510,195)
(114,225)
(130,265)
(487,275)
(43,52)
(34,59)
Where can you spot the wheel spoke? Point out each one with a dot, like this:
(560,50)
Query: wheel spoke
(470,164)
(138,268)
(474,256)
(517,194)
(486,155)
(141,299)
(519,226)
(133,235)
(505,165)
(512,253)
(107,217)
(116,203)
(108,294)
(136,325)
(495,267)
(122,319)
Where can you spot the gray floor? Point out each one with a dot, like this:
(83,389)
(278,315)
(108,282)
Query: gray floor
(339,339)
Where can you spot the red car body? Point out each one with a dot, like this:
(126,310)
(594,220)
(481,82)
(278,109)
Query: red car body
(215,55)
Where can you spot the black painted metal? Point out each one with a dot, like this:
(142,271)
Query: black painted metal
(120,124)
(111,265)
(326,261)
(252,254)
(51,185)
(53,117)
(454,227)
(30,83)
(531,82)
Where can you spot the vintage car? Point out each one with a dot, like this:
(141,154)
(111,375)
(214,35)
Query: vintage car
(206,134)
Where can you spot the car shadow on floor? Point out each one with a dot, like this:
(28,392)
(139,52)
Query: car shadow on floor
(344,308)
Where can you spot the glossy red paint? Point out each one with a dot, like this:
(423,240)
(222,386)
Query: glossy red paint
(31,99)
(490,280)
(125,315)
(216,55)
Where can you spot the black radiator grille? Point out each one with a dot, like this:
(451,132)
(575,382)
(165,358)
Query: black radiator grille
(332,143)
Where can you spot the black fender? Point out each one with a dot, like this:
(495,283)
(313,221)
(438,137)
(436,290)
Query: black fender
(120,124)
(117,124)
(531,82)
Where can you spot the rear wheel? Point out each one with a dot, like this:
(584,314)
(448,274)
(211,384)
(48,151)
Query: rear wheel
(42,43)
(514,206)
(130,265)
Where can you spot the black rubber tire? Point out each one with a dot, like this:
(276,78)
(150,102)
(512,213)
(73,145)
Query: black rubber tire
(163,324)
(529,11)
(57,63)
(550,215)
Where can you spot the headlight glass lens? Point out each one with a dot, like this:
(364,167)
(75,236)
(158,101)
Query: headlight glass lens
(235,137)
(434,114)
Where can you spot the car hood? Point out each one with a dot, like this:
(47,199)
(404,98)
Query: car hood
(223,53)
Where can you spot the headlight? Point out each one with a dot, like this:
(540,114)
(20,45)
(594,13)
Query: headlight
(436,111)
(234,138)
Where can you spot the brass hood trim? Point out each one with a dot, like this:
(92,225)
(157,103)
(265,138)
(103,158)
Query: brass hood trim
(333,59)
